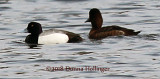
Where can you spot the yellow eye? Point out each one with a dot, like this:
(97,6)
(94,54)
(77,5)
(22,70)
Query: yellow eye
(32,25)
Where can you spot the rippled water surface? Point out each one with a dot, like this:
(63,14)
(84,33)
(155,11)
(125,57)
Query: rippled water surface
(135,57)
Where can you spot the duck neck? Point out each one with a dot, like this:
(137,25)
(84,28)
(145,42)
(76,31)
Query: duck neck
(97,22)
(96,25)
(35,34)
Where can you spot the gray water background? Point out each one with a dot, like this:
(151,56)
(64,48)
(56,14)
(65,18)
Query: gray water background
(135,57)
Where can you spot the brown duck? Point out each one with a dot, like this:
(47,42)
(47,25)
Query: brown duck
(99,32)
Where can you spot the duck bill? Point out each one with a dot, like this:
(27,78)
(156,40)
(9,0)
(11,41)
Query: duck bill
(25,31)
(88,20)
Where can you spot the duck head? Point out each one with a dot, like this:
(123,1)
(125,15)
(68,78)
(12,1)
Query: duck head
(95,18)
(34,28)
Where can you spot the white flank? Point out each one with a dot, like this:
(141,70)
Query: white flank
(55,38)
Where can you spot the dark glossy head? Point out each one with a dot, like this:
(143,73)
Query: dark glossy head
(95,18)
(34,28)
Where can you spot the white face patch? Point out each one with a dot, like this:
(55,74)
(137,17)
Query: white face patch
(55,38)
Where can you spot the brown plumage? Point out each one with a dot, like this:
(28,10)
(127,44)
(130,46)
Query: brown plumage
(99,32)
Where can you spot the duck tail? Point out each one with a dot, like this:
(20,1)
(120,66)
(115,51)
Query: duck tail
(136,33)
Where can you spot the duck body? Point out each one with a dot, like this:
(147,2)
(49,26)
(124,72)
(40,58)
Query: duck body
(52,36)
(111,31)
(99,32)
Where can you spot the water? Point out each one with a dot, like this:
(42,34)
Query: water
(135,57)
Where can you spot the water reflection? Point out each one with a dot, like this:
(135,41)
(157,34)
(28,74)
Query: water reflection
(151,37)
(4,1)
(31,0)
(3,8)
(33,46)
(70,0)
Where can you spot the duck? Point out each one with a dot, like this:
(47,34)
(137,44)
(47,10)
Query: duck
(51,36)
(99,32)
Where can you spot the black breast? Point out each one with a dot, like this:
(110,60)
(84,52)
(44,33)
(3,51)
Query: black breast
(31,39)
